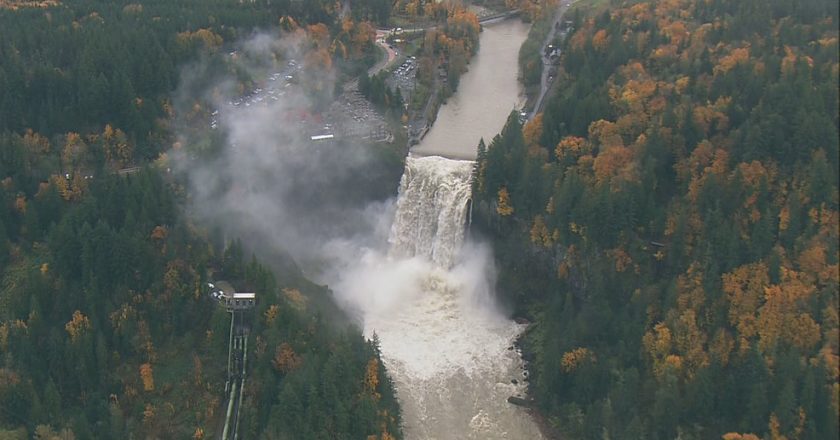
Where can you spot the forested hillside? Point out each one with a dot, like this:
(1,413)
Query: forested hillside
(670,223)
(82,64)
(107,327)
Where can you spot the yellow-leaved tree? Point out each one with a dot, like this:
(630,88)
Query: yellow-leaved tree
(372,377)
(77,325)
(147,377)
(285,359)
(504,208)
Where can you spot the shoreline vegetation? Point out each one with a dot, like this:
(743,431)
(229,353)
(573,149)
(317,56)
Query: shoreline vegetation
(669,223)
(106,327)
(86,128)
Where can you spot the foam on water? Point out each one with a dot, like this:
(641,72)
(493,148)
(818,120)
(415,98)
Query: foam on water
(429,300)
(431,209)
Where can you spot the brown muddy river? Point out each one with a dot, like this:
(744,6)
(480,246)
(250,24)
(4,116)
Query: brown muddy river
(485,96)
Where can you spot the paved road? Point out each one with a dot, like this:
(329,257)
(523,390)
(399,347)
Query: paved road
(391,54)
(545,82)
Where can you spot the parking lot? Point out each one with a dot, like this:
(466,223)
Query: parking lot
(349,115)
(276,86)
(404,77)
(354,116)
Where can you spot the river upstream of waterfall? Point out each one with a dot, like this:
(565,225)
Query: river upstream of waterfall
(429,297)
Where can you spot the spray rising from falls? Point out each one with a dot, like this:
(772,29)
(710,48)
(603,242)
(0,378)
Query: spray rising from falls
(431,210)
(429,300)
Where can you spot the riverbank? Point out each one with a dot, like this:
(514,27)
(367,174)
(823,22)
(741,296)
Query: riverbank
(439,80)
(487,93)
(529,402)
(546,429)
(446,345)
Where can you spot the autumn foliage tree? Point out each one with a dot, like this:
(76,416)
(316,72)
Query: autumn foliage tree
(147,377)
(107,328)
(674,216)
(285,359)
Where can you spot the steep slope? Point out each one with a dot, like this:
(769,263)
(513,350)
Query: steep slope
(670,222)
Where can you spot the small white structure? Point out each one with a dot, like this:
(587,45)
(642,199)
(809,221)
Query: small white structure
(321,137)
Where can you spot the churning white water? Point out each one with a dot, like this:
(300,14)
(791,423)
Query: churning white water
(431,209)
(429,300)
(428,296)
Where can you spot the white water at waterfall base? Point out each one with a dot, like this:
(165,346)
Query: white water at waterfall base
(428,298)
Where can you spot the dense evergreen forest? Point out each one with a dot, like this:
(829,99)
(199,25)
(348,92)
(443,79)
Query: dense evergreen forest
(670,223)
(82,64)
(107,328)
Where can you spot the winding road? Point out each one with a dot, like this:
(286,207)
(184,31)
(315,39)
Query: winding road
(391,54)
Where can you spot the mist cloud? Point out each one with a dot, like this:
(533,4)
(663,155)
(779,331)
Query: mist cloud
(274,188)
(442,338)
(269,183)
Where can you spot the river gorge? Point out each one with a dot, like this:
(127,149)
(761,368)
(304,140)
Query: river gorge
(428,298)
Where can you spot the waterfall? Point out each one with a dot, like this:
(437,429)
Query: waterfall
(428,294)
(431,210)
(429,300)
